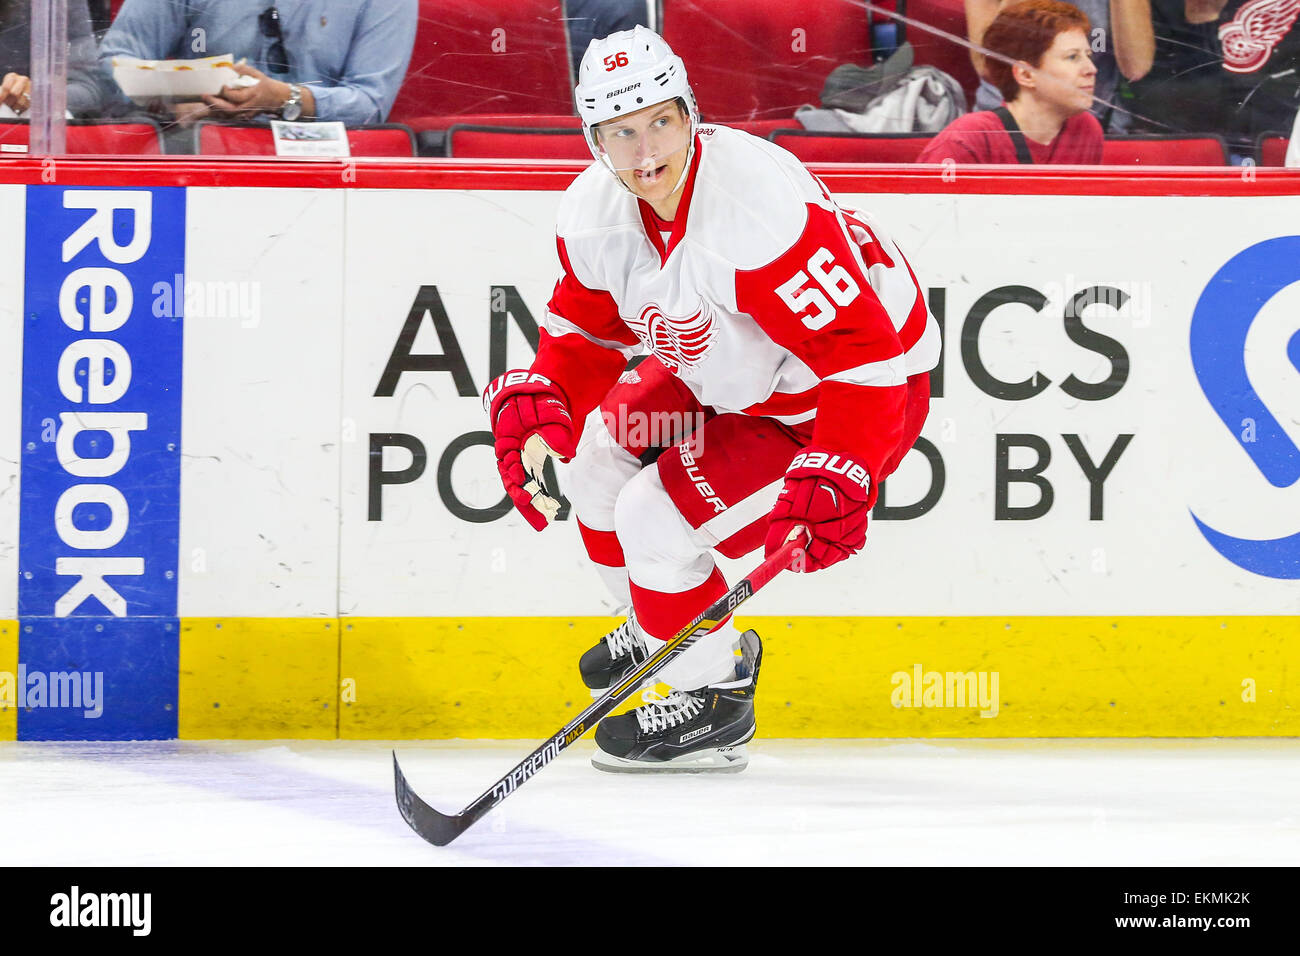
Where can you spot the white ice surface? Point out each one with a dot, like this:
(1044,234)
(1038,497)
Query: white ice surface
(976,803)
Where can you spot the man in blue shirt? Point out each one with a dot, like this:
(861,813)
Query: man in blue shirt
(313,59)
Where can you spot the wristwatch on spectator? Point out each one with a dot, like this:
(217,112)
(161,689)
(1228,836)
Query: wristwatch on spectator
(292,108)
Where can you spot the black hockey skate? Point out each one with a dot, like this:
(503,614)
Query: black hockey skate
(617,655)
(687,731)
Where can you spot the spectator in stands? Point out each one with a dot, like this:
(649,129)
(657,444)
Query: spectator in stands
(1185,91)
(589,19)
(1261,63)
(1046,78)
(86,90)
(313,59)
(1121,39)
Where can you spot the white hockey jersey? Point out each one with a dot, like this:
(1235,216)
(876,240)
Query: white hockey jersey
(765,299)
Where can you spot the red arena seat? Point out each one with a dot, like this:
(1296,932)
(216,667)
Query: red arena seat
(1271,148)
(386,139)
(813,147)
(91,137)
(467,141)
(432,135)
(473,57)
(251,139)
(770,58)
(1175,150)
(533,120)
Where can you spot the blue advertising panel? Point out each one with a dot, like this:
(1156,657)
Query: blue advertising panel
(100,481)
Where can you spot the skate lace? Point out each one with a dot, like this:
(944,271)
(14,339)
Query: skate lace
(661,713)
(621,639)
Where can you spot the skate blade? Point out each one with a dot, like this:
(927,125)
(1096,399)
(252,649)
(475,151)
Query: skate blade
(718,760)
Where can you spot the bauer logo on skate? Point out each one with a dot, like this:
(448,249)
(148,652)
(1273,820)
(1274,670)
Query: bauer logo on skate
(695,733)
(922,688)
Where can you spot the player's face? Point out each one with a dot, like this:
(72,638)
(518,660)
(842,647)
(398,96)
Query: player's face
(648,148)
(1066,77)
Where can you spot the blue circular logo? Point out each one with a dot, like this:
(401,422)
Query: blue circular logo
(1224,314)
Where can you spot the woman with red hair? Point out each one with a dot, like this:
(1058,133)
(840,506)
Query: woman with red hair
(1041,63)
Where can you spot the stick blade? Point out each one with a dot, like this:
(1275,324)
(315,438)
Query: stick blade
(432,826)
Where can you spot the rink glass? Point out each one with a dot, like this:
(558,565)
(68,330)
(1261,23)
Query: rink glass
(512,64)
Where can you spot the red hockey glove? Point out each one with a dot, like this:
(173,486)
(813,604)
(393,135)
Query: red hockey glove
(521,404)
(828,493)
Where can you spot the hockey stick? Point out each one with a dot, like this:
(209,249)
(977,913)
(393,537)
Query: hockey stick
(441,828)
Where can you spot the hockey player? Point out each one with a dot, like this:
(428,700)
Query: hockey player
(788,346)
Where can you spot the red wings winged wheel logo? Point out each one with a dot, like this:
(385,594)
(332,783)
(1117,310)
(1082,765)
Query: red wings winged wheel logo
(677,342)
(1249,38)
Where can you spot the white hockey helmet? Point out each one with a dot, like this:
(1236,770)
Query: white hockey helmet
(625,72)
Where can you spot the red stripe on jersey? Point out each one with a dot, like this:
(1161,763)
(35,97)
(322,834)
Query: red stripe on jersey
(652,229)
(917,319)
(786,403)
(873,253)
(864,420)
(581,368)
(651,222)
(583,371)
(918,409)
(592,310)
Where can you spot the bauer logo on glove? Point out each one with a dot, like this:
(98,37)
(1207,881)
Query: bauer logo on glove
(835,464)
(530,422)
(517,377)
(830,494)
